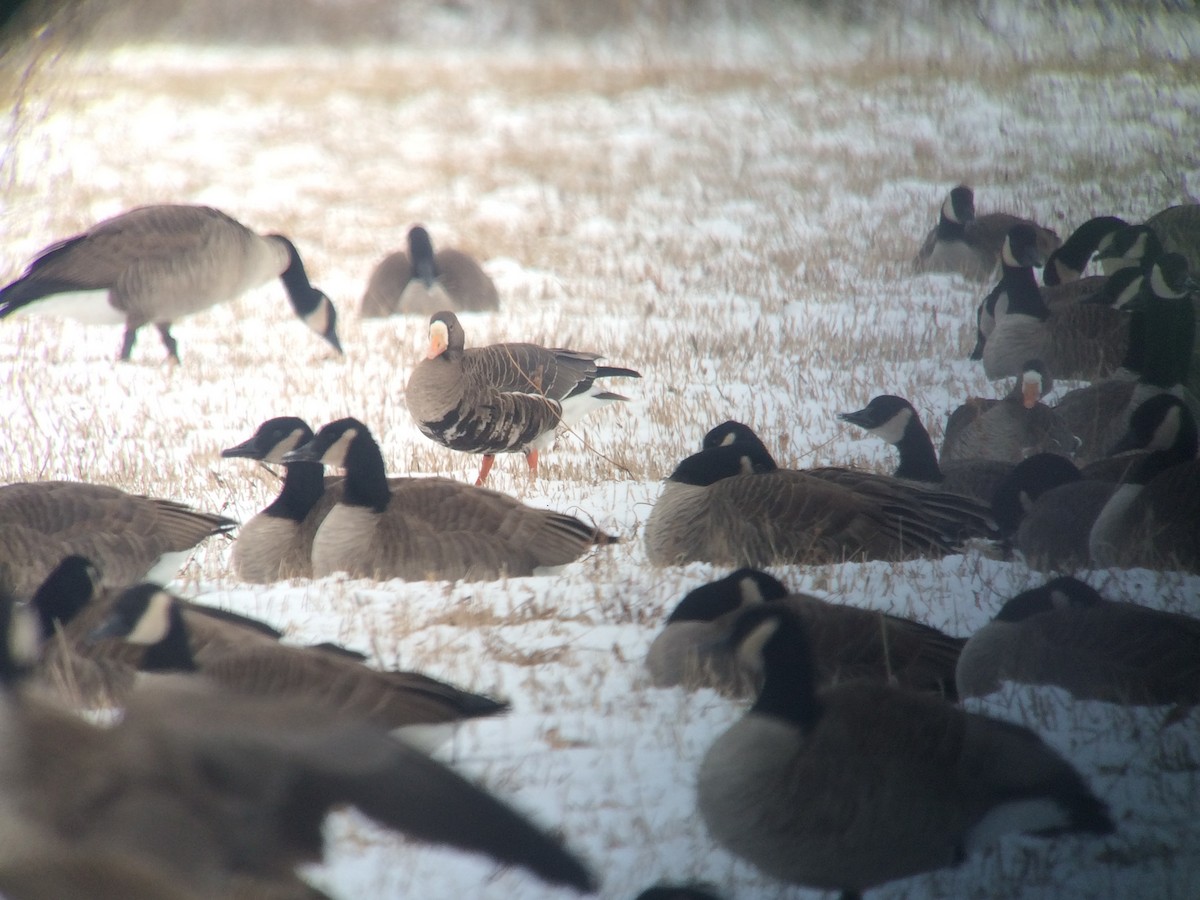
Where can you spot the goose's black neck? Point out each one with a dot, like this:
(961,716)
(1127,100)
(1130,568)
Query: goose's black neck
(366,478)
(790,677)
(1024,295)
(918,459)
(172,653)
(303,296)
(303,485)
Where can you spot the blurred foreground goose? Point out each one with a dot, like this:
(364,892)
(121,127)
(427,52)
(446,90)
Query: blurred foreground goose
(730,504)
(228,793)
(848,642)
(156,264)
(1081,340)
(431,528)
(1065,634)
(149,617)
(895,420)
(503,398)
(128,536)
(968,244)
(422,282)
(1151,518)
(859,784)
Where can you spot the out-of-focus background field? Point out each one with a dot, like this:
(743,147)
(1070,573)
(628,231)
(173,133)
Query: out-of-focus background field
(724,195)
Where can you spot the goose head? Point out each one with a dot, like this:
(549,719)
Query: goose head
(273,439)
(716,463)
(1060,593)
(311,305)
(65,592)
(713,600)
(333,445)
(446,335)
(886,416)
(420,255)
(1020,249)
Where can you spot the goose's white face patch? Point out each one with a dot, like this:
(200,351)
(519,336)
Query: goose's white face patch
(154,623)
(948,210)
(893,429)
(288,444)
(24,636)
(336,454)
(727,440)
(750,591)
(318,319)
(1158,284)
(749,651)
(1130,291)
(1166,432)
(1007,255)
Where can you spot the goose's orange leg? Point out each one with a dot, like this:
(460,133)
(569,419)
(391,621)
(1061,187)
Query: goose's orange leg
(484,468)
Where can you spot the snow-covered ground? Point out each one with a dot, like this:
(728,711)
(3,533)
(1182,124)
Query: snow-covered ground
(735,220)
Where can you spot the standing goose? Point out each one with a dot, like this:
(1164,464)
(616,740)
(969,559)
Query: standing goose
(1065,634)
(1084,340)
(849,642)
(432,528)
(859,784)
(731,505)
(156,264)
(968,244)
(503,398)
(128,536)
(1150,520)
(895,420)
(421,282)
(229,792)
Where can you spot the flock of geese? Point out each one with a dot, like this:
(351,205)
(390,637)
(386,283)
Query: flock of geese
(234,744)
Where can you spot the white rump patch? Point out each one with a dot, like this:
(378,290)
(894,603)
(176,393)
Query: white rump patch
(1019,816)
(88,307)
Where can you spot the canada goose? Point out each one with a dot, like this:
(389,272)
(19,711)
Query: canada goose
(222,789)
(1081,340)
(956,516)
(968,244)
(1128,247)
(1150,520)
(421,282)
(895,420)
(823,787)
(731,505)
(503,398)
(156,264)
(1068,263)
(1011,428)
(433,528)
(1065,634)
(1045,508)
(128,536)
(849,642)
(1178,229)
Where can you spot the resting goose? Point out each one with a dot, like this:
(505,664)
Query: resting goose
(894,420)
(968,244)
(421,282)
(128,536)
(432,527)
(1068,263)
(1065,634)
(228,793)
(849,642)
(1151,518)
(156,264)
(503,398)
(856,785)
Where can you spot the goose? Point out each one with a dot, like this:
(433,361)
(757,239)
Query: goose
(849,642)
(957,516)
(1128,247)
(128,536)
(1009,429)
(732,506)
(968,244)
(228,793)
(421,282)
(679,892)
(502,398)
(1150,520)
(1178,229)
(149,617)
(895,420)
(156,264)
(1045,508)
(1068,263)
(1064,633)
(825,787)
(433,528)
(1083,340)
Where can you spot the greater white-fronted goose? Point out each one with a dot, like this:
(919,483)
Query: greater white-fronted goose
(732,506)
(422,282)
(823,788)
(433,527)
(894,420)
(968,244)
(229,792)
(1080,340)
(848,642)
(153,619)
(503,398)
(957,516)
(1151,518)
(128,536)
(156,264)
(1065,634)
